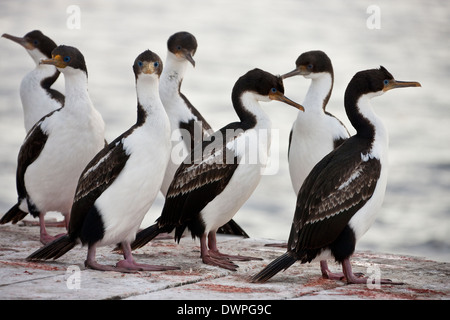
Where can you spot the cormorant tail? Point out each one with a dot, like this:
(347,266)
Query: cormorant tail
(281,263)
(13,215)
(54,249)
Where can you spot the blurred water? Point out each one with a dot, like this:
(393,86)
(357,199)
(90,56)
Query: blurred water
(236,36)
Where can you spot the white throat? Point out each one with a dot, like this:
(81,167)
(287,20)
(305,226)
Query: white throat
(317,92)
(36,55)
(250,101)
(147,90)
(76,90)
(173,73)
(381,140)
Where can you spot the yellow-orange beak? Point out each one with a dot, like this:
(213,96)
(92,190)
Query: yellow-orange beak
(393,84)
(56,61)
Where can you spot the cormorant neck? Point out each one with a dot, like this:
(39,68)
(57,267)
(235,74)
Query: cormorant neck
(249,110)
(147,91)
(37,56)
(173,71)
(319,91)
(76,85)
(360,113)
(47,82)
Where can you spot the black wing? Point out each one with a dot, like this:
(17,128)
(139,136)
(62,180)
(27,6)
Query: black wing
(289,143)
(29,151)
(198,183)
(338,140)
(98,175)
(206,128)
(337,187)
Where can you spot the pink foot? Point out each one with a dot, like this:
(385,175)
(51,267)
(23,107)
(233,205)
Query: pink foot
(92,264)
(353,279)
(132,265)
(218,255)
(45,238)
(277,245)
(218,262)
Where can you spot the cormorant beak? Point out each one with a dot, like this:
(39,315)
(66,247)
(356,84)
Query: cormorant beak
(56,61)
(189,58)
(299,71)
(22,41)
(281,97)
(393,84)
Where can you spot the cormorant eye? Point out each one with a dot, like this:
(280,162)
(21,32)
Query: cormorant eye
(386,82)
(310,66)
(140,64)
(179,47)
(35,42)
(66,59)
(156,64)
(273,90)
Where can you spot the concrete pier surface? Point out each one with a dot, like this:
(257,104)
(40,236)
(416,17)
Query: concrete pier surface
(67,279)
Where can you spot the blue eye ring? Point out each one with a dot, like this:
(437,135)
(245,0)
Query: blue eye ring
(273,90)
(140,63)
(156,64)
(310,66)
(66,59)
(386,82)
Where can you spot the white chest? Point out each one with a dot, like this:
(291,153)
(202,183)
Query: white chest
(313,135)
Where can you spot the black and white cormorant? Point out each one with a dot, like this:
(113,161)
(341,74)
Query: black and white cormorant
(206,193)
(37,96)
(58,148)
(315,132)
(119,185)
(187,124)
(341,196)
(189,127)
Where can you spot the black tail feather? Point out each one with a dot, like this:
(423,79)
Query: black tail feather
(232,228)
(54,249)
(281,263)
(145,236)
(13,215)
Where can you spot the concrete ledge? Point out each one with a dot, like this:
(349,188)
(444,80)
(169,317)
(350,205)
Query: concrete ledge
(66,278)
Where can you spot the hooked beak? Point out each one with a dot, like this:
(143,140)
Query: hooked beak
(22,41)
(281,97)
(299,71)
(393,84)
(186,54)
(189,58)
(56,61)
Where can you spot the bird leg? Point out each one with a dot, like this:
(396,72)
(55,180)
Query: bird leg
(214,251)
(130,264)
(327,274)
(208,257)
(93,264)
(44,236)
